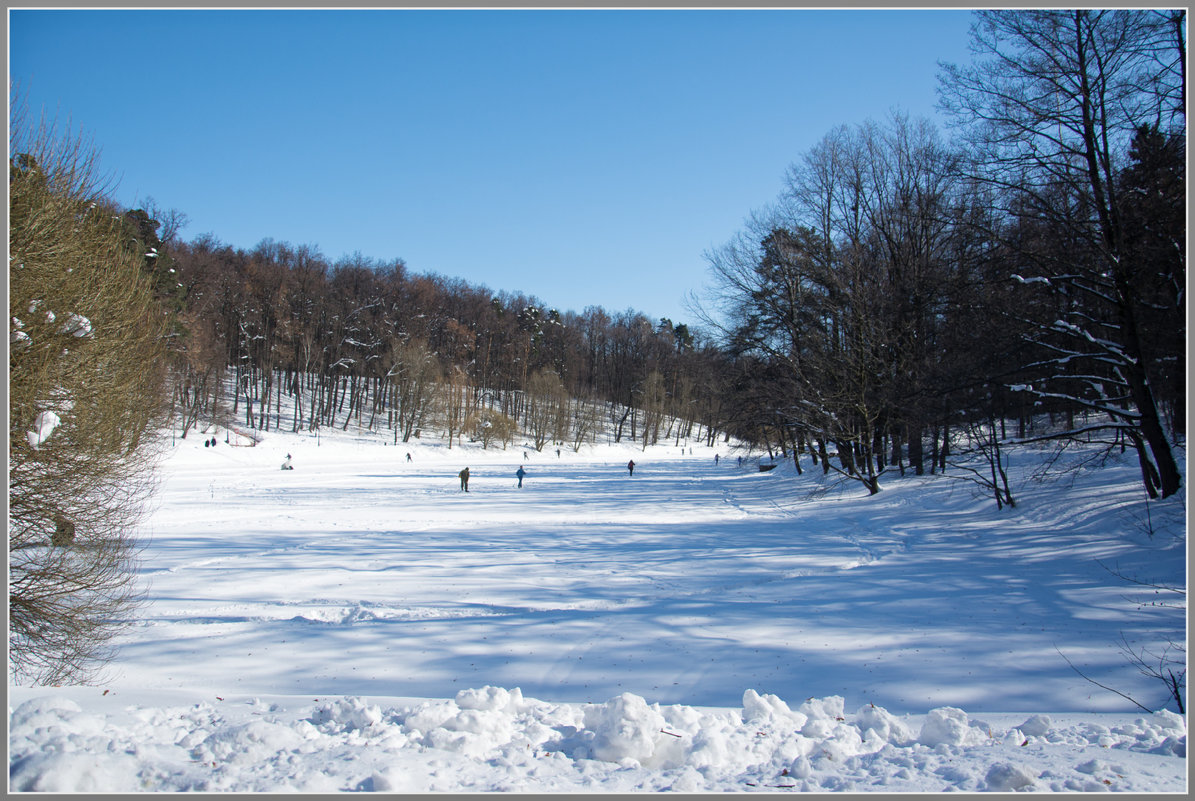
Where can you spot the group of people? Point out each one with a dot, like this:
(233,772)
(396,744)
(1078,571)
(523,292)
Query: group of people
(464,474)
(520,474)
(464,477)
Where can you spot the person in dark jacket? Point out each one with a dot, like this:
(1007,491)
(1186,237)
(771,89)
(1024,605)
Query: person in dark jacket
(520,473)
(631,467)
(464,474)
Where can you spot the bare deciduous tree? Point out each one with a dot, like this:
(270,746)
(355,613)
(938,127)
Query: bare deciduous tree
(413,373)
(547,403)
(1051,105)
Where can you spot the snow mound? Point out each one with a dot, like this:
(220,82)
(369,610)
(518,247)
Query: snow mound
(1004,777)
(492,739)
(950,726)
(347,714)
(625,728)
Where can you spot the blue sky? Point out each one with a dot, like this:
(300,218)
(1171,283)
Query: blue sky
(585,157)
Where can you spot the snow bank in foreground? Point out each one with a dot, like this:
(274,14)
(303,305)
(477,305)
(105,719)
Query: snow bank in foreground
(494,739)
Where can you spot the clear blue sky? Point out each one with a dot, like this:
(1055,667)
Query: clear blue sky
(585,157)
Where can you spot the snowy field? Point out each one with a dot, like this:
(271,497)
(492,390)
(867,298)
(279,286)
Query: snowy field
(359,623)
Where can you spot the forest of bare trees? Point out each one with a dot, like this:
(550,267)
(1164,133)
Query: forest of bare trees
(369,344)
(1030,272)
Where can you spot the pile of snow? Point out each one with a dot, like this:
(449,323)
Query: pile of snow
(494,739)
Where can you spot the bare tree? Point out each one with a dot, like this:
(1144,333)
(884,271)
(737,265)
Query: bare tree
(490,426)
(584,419)
(843,286)
(1050,106)
(546,403)
(653,398)
(454,400)
(86,392)
(414,371)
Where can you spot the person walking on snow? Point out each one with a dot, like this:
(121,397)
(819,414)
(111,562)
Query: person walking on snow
(464,474)
(520,473)
(287,465)
(631,467)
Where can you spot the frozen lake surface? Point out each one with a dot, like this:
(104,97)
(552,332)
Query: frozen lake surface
(694,585)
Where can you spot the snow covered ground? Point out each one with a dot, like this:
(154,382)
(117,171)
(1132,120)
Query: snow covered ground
(359,623)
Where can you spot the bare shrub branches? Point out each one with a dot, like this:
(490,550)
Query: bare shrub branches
(86,378)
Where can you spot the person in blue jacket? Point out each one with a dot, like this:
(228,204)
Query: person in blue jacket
(520,473)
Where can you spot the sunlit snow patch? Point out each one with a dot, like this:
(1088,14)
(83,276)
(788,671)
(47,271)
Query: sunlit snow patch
(43,426)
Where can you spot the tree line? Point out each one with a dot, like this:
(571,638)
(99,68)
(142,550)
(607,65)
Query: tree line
(370,343)
(906,287)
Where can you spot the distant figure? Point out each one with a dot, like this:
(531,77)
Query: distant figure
(520,473)
(207,443)
(525,457)
(631,467)
(740,461)
(287,465)
(715,460)
(213,442)
(64,532)
(464,474)
(557,453)
(408,457)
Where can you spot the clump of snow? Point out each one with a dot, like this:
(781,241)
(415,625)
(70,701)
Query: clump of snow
(490,698)
(77,325)
(43,426)
(1170,721)
(346,714)
(1005,777)
(626,728)
(950,726)
(1036,726)
(885,725)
